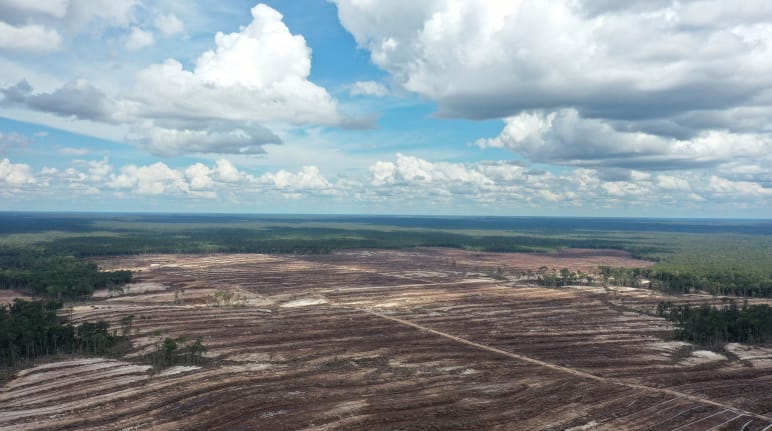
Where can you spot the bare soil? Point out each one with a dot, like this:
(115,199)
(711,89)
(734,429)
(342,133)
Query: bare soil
(7,296)
(420,339)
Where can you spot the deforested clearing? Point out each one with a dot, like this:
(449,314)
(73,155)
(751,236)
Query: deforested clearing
(392,339)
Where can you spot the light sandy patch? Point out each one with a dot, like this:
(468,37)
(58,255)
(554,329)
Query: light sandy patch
(623,289)
(131,289)
(145,287)
(391,304)
(261,301)
(704,357)
(423,274)
(588,426)
(593,289)
(249,366)
(178,370)
(305,302)
(669,346)
(81,309)
(657,351)
(251,357)
(155,297)
(760,357)
(71,363)
(346,408)
(103,293)
(7,296)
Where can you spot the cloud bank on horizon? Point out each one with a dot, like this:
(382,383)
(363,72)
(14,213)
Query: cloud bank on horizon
(571,107)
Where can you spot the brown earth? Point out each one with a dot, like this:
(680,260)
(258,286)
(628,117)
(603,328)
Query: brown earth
(7,296)
(423,339)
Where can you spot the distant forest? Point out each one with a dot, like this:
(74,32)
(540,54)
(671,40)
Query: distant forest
(54,275)
(44,252)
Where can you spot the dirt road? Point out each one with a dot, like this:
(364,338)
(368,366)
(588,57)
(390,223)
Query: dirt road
(570,371)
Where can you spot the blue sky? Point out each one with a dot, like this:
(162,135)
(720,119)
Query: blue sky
(655,108)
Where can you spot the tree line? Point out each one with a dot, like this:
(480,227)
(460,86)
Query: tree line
(716,280)
(707,325)
(30,329)
(33,329)
(54,275)
(311,240)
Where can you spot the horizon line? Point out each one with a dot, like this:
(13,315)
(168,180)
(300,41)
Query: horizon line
(280,214)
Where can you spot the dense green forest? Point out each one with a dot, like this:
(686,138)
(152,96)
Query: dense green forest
(30,329)
(720,278)
(33,329)
(54,275)
(732,257)
(713,326)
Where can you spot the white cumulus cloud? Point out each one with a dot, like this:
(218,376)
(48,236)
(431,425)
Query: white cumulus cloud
(15,174)
(138,39)
(199,176)
(723,186)
(259,73)
(309,177)
(250,80)
(493,58)
(202,137)
(255,76)
(564,137)
(155,179)
(29,38)
(97,15)
(169,25)
(368,88)
(406,181)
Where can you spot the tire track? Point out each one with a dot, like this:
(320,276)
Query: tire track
(566,370)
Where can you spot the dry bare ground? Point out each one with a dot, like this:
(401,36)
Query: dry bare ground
(422,339)
(7,296)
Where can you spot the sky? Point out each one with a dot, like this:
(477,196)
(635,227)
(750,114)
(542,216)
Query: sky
(647,108)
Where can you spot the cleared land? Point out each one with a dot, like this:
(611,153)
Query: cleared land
(423,339)
(7,296)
